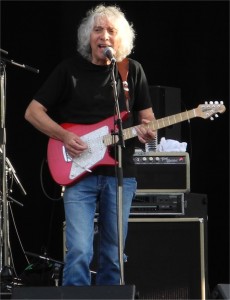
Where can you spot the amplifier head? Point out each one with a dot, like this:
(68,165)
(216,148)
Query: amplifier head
(162,172)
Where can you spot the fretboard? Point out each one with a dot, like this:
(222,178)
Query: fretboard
(153,125)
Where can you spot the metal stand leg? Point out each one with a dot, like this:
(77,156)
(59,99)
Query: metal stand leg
(5,263)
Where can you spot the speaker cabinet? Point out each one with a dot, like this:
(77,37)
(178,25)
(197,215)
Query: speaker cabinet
(75,292)
(166,101)
(166,258)
(221,291)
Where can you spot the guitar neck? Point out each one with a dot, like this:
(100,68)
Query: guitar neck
(204,111)
(153,125)
(165,122)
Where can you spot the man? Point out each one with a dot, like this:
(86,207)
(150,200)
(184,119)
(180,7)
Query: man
(80,91)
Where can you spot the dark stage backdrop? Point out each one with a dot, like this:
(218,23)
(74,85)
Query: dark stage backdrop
(183,44)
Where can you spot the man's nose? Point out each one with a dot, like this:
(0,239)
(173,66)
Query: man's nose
(105,34)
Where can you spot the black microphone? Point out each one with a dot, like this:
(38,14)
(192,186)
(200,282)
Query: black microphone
(108,52)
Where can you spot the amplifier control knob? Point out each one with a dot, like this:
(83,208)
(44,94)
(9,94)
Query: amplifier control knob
(144,158)
(150,158)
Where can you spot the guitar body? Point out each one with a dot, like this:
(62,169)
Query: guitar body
(66,171)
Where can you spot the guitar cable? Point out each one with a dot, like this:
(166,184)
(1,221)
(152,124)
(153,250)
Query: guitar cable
(42,184)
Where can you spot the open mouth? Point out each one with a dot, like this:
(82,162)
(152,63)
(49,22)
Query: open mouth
(102,46)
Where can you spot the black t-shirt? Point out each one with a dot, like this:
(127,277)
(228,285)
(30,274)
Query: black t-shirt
(80,92)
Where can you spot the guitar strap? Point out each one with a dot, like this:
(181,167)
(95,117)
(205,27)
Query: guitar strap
(123,68)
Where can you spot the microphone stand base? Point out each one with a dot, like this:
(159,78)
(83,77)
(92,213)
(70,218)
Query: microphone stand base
(6,282)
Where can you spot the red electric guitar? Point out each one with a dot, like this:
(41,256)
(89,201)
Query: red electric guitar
(66,171)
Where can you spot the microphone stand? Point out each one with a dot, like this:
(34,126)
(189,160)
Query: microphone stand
(5,258)
(121,145)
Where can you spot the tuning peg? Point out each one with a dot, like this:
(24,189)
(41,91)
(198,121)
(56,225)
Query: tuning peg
(210,102)
(211,118)
(216,115)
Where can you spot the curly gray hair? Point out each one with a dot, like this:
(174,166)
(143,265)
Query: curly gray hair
(113,13)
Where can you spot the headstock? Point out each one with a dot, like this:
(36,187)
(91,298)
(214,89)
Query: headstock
(207,110)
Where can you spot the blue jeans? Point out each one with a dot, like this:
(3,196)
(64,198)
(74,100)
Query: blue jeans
(80,202)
